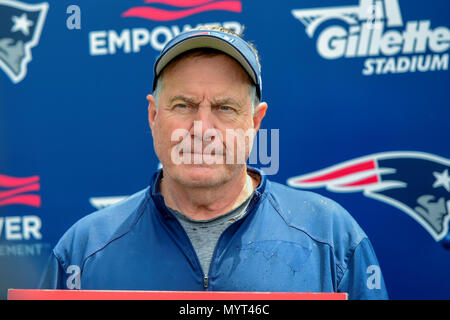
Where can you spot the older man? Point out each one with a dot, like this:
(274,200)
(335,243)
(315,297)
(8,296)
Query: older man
(207,221)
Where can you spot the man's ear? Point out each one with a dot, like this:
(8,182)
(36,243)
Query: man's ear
(258,115)
(151,110)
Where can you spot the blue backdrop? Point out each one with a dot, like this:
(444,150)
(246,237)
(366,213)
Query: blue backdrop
(358,91)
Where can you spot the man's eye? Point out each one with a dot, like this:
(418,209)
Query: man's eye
(181,106)
(225,108)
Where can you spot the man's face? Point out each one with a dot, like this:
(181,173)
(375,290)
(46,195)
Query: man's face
(203,99)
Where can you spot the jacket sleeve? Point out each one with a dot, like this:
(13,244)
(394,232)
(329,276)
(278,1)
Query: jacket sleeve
(53,275)
(362,278)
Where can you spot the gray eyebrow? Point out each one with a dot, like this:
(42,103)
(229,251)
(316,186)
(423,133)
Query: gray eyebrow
(228,101)
(184,98)
(217,102)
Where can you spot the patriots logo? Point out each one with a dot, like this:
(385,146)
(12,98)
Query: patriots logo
(20,29)
(417,183)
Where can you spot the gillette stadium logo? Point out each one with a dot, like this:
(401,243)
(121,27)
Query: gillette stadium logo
(416,183)
(20,29)
(375,29)
(133,40)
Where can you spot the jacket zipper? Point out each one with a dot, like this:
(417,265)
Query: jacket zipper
(205,276)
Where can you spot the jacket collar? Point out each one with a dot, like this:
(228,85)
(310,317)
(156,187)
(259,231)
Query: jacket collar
(158,198)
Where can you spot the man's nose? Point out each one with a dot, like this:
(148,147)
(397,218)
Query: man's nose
(203,124)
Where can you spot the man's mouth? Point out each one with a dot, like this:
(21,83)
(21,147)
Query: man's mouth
(202,153)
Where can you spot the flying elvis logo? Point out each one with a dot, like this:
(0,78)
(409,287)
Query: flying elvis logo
(178,9)
(375,29)
(415,182)
(109,42)
(20,29)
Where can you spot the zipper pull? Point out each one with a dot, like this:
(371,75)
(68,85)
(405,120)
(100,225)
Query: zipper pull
(205,281)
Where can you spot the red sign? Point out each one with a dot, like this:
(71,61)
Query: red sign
(34,294)
(15,191)
(178,9)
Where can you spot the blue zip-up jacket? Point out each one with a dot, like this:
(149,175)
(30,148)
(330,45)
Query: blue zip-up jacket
(288,241)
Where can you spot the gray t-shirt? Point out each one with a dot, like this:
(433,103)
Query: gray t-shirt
(204,234)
